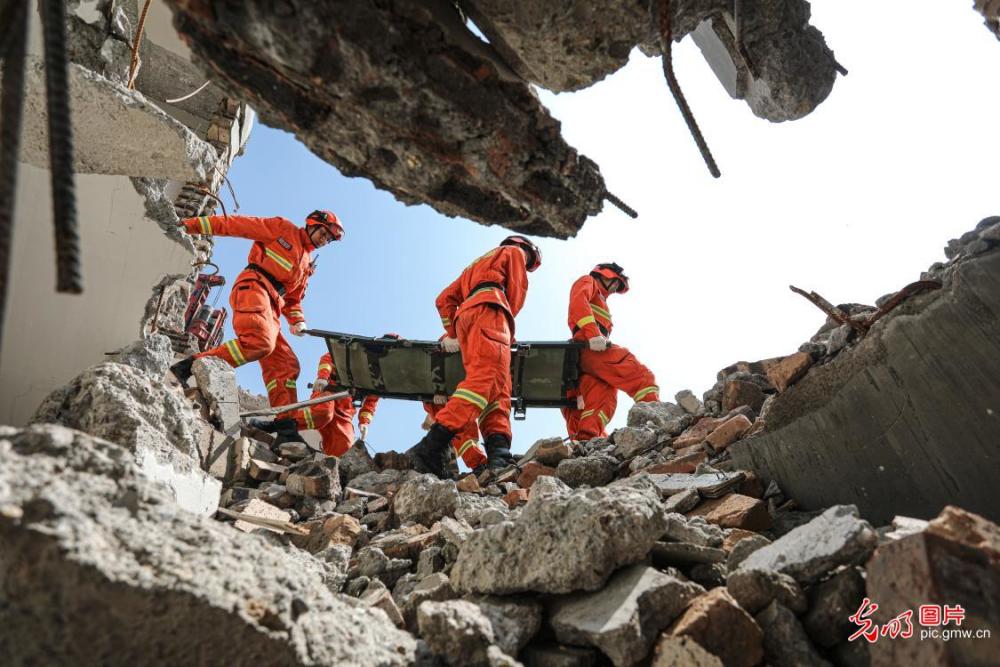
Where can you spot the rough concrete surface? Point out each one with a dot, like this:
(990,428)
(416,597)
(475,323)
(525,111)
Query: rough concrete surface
(406,95)
(115,130)
(883,420)
(100,567)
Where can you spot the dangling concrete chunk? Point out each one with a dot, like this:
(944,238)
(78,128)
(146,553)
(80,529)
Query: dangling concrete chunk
(565,544)
(624,618)
(139,577)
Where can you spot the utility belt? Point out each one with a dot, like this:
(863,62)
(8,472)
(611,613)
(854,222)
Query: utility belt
(275,283)
(603,329)
(482,287)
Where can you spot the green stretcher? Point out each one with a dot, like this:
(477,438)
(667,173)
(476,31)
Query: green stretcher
(417,370)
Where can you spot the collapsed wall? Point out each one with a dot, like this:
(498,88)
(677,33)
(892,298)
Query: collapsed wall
(906,421)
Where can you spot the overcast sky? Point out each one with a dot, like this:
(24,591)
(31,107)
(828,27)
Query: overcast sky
(853,201)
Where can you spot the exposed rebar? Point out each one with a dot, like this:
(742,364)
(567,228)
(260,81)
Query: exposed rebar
(133,67)
(620,205)
(15,17)
(666,36)
(69,277)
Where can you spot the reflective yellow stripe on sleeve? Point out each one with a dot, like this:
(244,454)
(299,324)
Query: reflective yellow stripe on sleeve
(600,311)
(271,385)
(642,393)
(206,225)
(584,321)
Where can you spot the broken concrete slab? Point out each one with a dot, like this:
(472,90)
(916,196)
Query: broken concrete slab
(624,618)
(594,470)
(742,549)
(789,370)
(814,425)
(456,630)
(565,544)
(831,604)
(684,554)
(472,508)
(385,483)
(722,628)
(836,537)
(687,400)
(666,417)
(785,641)
(372,562)
(693,531)
(82,523)
(131,408)
(515,620)
(316,478)
(151,355)
(435,587)
(217,382)
(668,484)
(755,589)
(633,440)
(487,149)
(426,499)
(259,508)
(116,130)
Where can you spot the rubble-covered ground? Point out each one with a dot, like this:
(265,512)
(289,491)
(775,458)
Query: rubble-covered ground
(649,547)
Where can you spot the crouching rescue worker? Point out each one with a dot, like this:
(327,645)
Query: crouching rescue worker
(604,368)
(272,284)
(478,311)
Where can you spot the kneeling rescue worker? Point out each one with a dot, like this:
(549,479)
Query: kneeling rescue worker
(604,368)
(272,284)
(478,311)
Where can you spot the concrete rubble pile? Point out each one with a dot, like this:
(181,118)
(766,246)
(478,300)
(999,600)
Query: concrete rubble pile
(487,149)
(650,546)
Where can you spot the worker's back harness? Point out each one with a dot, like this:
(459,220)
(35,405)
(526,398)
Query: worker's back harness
(278,287)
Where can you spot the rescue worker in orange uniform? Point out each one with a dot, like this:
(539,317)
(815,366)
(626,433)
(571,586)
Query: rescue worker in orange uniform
(478,311)
(604,368)
(272,284)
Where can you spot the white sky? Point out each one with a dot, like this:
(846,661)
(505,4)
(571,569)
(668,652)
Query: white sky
(853,201)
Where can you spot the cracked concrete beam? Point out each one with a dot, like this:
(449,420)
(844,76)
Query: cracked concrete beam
(115,131)
(404,94)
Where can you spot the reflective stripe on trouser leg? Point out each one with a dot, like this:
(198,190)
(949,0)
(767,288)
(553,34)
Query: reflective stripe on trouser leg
(599,401)
(619,368)
(470,452)
(281,365)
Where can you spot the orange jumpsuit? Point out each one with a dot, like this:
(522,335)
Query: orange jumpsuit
(479,308)
(335,419)
(281,250)
(602,374)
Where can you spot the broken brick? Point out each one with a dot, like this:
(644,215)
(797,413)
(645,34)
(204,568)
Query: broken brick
(328,530)
(683,462)
(719,625)
(788,371)
(469,484)
(262,471)
(259,508)
(320,479)
(516,497)
(697,432)
(735,511)
(531,471)
(736,393)
(728,433)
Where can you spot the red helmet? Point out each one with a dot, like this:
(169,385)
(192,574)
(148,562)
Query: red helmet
(391,336)
(530,249)
(612,271)
(329,220)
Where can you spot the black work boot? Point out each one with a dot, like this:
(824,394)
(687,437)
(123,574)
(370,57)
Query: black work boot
(182,369)
(498,451)
(284,430)
(430,454)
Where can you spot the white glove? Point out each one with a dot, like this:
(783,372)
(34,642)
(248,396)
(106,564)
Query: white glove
(364,431)
(598,343)
(320,384)
(580,405)
(298,328)
(440,399)
(449,344)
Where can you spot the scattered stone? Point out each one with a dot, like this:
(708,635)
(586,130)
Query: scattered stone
(902,526)
(377,596)
(708,484)
(116,544)
(785,641)
(353,506)
(836,537)
(682,652)
(531,471)
(356,462)
(468,484)
(622,619)
(295,451)
(392,460)
(492,517)
(697,432)
(666,417)
(728,433)
(682,502)
(547,488)
(472,508)
(962,527)
(594,470)
(693,531)
(429,562)
(319,479)
(373,563)
(426,499)
(329,530)
(599,530)
(736,511)
(722,628)
(435,587)
(831,603)
(789,370)
(740,392)
(551,451)
(683,554)
(755,589)
(456,630)
(630,441)
(262,471)
(259,508)
(454,531)
(708,575)
(687,400)
(516,497)
(685,461)
(733,536)
(742,549)
(151,355)
(515,620)
(383,483)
